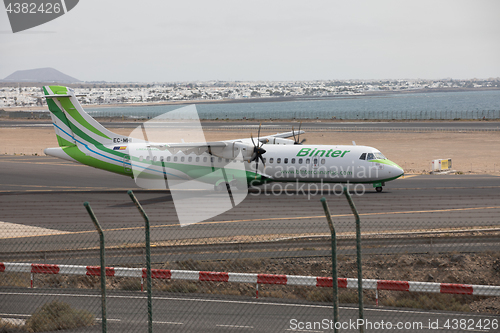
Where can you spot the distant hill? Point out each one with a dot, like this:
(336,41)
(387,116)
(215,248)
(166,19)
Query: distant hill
(40,75)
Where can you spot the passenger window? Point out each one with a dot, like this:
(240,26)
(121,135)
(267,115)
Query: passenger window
(227,160)
(271,160)
(323,161)
(190,159)
(308,161)
(141,158)
(175,158)
(278,160)
(154,158)
(285,161)
(182,158)
(205,159)
(300,161)
(363,156)
(161,158)
(292,161)
(197,159)
(220,159)
(212,159)
(168,158)
(315,161)
(147,158)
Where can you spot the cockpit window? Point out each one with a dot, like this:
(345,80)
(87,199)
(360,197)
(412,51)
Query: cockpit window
(363,156)
(375,156)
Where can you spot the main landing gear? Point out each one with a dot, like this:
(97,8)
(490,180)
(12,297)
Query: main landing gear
(378,187)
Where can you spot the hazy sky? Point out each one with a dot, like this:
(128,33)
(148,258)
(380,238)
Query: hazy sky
(125,40)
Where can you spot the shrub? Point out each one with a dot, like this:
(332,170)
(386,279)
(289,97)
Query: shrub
(58,315)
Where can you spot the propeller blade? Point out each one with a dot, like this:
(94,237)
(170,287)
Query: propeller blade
(258,135)
(298,135)
(256,168)
(293,132)
(251,137)
(254,156)
(303,140)
(262,159)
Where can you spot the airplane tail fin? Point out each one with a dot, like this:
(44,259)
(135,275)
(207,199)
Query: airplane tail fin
(74,126)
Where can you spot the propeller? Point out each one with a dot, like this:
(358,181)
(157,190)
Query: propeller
(258,151)
(297,142)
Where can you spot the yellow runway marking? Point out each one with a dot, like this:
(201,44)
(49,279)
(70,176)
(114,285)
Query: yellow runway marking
(278,219)
(408,176)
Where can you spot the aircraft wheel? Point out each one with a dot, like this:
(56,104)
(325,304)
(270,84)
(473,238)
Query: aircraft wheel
(379,189)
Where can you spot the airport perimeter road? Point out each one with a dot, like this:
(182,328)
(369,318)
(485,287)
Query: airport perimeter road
(42,199)
(127,312)
(373,125)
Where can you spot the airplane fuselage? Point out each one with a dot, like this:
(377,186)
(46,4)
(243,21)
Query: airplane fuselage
(283,163)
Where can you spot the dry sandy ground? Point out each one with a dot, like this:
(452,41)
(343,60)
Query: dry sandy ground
(469,151)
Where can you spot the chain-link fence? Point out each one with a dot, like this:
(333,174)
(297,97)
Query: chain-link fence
(151,112)
(262,266)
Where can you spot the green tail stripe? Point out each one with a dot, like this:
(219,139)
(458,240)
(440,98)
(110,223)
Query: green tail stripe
(55,109)
(94,142)
(59,90)
(85,137)
(63,142)
(73,112)
(81,157)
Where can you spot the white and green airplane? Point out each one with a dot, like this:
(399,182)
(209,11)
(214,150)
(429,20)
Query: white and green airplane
(83,140)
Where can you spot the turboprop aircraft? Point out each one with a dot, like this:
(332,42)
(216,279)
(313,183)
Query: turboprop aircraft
(84,140)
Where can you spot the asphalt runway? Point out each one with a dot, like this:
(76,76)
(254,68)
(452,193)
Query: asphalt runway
(197,313)
(41,199)
(41,210)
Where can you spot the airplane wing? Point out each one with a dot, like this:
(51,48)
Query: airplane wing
(224,149)
(266,139)
(191,147)
(284,135)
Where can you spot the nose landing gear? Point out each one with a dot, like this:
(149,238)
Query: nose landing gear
(378,187)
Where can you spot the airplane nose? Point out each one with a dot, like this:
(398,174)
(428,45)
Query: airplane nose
(395,170)
(398,170)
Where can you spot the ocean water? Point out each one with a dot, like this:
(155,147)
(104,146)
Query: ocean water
(434,105)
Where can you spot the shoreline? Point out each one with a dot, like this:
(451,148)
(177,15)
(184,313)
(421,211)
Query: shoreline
(267,120)
(254,100)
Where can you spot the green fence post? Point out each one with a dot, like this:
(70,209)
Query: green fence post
(103,267)
(334,265)
(148,259)
(358,255)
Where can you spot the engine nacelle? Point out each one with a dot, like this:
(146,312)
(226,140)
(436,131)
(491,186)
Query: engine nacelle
(280,141)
